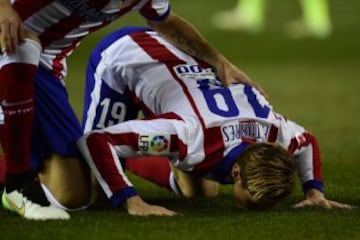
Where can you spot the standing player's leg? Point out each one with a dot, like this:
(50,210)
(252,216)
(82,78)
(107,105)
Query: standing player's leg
(247,15)
(315,21)
(316,16)
(2,158)
(2,172)
(23,194)
(62,171)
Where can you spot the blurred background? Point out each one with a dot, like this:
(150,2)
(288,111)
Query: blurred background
(314,81)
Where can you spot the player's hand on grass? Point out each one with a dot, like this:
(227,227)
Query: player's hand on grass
(229,73)
(315,198)
(137,207)
(11,29)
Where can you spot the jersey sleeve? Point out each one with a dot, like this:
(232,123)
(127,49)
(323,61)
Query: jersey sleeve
(306,151)
(106,151)
(156,10)
(106,155)
(305,148)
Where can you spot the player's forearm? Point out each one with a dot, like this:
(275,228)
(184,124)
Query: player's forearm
(309,162)
(107,164)
(185,37)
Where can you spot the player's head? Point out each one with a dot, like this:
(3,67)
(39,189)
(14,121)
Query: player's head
(263,175)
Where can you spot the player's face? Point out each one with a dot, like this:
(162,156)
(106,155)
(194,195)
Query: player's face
(242,195)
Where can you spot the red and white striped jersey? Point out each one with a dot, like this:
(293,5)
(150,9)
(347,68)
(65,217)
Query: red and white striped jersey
(62,24)
(193,119)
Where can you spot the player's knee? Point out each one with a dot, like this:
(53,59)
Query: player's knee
(68,180)
(74,198)
(211,191)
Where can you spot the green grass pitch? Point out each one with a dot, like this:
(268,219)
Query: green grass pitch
(314,82)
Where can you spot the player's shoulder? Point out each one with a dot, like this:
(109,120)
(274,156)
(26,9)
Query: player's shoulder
(115,36)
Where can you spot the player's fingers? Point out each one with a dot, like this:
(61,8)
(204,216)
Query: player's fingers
(307,203)
(323,203)
(158,213)
(4,33)
(164,212)
(301,204)
(13,30)
(244,78)
(224,75)
(21,34)
(341,205)
(152,210)
(170,213)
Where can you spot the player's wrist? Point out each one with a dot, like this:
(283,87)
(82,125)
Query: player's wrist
(313,184)
(314,193)
(122,196)
(134,200)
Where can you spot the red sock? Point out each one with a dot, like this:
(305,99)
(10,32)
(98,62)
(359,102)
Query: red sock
(2,170)
(17,103)
(154,169)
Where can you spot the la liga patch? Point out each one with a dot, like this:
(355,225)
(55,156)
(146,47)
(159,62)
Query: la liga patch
(154,144)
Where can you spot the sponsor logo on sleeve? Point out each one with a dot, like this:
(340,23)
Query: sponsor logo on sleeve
(154,144)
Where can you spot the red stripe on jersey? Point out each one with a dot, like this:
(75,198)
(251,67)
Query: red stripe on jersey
(59,30)
(293,146)
(155,49)
(57,65)
(104,160)
(213,144)
(148,11)
(178,146)
(310,139)
(159,52)
(214,148)
(66,25)
(26,8)
(273,134)
(305,140)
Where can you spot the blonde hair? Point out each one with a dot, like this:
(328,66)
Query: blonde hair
(268,172)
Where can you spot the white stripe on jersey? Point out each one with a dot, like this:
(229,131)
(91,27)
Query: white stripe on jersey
(305,167)
(95,97)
